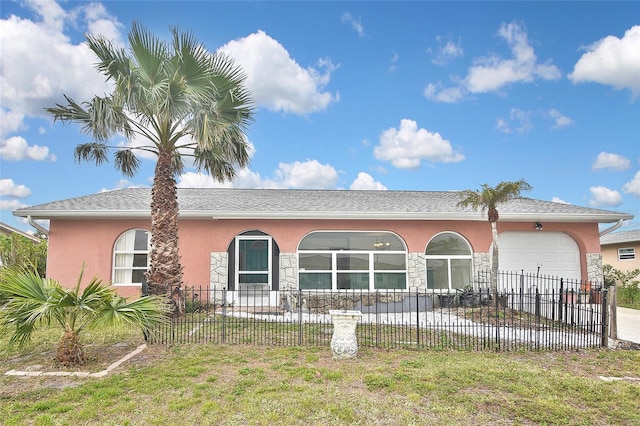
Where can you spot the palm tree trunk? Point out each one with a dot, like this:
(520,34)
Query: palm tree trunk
(165,271)
(70,351)
(494,260)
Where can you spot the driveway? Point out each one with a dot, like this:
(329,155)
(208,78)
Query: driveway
(628,324)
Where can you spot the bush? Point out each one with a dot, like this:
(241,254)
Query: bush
(627,284)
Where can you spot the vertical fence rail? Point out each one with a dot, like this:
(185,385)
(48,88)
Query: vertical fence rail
(528,312)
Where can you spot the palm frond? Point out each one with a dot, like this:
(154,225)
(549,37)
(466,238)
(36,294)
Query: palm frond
(29,301)
(113,62)
(91,152)
(144,312)
(126,162)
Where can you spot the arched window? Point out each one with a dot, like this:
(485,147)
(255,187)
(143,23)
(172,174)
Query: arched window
(131,257)
(367,260)
(253,262)
(449,262)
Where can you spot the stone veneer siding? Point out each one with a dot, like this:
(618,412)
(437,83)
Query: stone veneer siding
(219,270)
(288,271)
(594,268)
(416,271)
(481,262)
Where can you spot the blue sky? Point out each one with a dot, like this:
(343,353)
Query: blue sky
(356,95)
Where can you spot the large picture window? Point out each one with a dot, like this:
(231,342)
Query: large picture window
(449,262)
(131,257)
(354,260)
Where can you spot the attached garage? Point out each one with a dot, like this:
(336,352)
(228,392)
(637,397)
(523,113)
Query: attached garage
(555,253)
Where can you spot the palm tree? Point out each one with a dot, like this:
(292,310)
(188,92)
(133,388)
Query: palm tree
(182,101)
(29,302)
(487,199)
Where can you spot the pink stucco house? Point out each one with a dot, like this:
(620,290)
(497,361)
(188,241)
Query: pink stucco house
(320,239)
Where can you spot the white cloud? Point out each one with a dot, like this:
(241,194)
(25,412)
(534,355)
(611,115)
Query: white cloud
(276,81)
(447,51)
(44,64)
(394,61)
(560,120)
(602,196)
(633,186)
(494,72)
(610,161)
(99,21)
(365,181)
(559,200)
(449,95)
(245,178)
(356,24)
(10,122)
(519,122)
(308,174)
(612,61)
(405,147)
(11,204)
(8,188)
(16,148)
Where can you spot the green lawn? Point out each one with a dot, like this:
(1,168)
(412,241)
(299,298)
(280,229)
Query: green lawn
(268,385)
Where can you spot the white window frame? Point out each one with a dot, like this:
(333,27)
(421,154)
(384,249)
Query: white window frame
(448,259)
(269,240)
(370,271)
(117,253)
(629,255)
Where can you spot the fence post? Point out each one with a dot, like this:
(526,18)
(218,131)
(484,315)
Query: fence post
(605,332)
(560,300)
(497,320)
(300,317)
(613,314)
(224,314)
(522,290)
(417,318)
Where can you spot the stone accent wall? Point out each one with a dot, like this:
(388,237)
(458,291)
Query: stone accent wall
(288,271)
(481,262)
(594,268)
(416,271)
(219,270)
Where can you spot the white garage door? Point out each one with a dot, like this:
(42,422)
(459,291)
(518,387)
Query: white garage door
(556,253)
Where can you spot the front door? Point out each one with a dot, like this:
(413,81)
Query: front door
(253,270)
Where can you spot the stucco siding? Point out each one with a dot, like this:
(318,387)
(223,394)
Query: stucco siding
(74,242)
(610,256)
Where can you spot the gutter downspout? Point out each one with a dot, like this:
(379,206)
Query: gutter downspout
(613,228)
(37,226)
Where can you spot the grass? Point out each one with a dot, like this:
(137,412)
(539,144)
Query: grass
(259,385)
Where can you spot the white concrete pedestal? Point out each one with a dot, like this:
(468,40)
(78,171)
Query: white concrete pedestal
(343,342)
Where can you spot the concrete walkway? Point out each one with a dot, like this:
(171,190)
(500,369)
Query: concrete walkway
(628,324)
(77,373)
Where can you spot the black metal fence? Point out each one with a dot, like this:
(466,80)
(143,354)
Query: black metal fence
(519,317)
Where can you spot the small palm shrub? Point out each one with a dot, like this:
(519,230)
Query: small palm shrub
(28,302)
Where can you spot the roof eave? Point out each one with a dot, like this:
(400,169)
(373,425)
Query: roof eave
(309,215)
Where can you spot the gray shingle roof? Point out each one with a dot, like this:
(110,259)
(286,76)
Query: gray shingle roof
(620,237)
(307,204)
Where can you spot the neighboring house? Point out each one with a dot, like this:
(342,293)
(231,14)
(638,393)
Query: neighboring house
(321,239)
(621,250)
(9,230)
